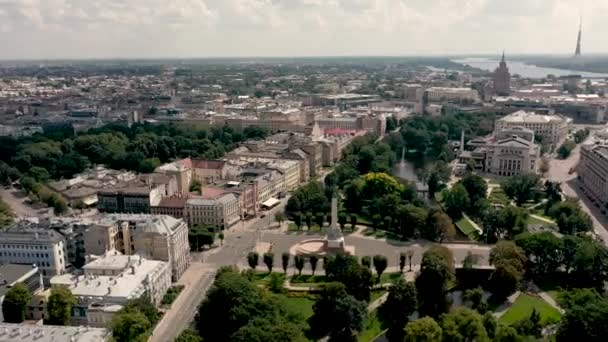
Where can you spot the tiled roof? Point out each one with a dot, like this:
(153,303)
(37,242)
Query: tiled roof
(208,164)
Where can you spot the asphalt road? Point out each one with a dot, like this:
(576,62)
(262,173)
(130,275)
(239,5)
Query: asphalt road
(197,279)
(559,171)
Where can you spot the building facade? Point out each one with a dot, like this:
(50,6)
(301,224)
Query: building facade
(34,246)
(504,155)
(114,279)
(502,78)
(592,172)
(222,212)
(137,196)
(438,94)
(552,128)
(158,237)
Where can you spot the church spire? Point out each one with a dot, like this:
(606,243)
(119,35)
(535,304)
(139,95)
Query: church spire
(503,56)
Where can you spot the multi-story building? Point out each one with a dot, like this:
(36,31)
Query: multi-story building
(439,94)
(34,246)
(502,78)
(223,211)
(136,196)
(208,171)
(164,238)
(113,279)
(106,235)
(552,128)
(592,171)
(181,170)
(374,124)
(159,237)
(503,154)
(172,206)
(270,151)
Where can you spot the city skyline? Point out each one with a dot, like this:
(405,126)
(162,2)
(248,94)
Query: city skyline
(74,29)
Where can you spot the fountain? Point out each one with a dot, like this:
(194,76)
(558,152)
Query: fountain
(405,170)
(333,243)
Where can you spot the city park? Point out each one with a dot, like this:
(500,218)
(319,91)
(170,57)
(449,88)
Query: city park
(476,260)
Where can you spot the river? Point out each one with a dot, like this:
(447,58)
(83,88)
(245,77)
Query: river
(523,69)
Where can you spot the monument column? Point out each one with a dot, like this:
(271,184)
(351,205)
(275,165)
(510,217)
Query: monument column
(334,212)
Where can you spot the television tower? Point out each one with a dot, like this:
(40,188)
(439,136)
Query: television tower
(577,52)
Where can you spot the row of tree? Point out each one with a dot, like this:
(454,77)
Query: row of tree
(6,214)
(141,147)
(58,307)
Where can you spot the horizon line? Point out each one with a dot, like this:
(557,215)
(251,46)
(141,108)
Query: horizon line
(448,55)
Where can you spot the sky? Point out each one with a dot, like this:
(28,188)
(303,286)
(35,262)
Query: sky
(55,29)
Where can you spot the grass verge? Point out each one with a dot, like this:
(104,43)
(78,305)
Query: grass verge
(523,306)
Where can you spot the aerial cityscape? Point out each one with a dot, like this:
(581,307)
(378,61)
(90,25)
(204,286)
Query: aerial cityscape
(313,180)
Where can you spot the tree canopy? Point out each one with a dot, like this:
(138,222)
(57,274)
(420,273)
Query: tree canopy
(59,306)
(235,309)
(15,303)
(436,274)
(337,314)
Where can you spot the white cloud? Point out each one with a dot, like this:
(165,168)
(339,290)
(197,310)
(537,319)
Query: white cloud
(188,28)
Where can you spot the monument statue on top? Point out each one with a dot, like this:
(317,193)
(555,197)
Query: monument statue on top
(332,243)
(335,239)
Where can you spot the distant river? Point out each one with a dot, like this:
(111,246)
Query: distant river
(523,69)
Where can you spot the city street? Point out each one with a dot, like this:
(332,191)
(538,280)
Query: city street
(238,241)
(242,238)
(559,171)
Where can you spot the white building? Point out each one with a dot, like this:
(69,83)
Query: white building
(112,280)
(508,153)
(552,128)
(34,246)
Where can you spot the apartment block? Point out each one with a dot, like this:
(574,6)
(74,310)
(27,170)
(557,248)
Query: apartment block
(222,212)
(34,246)
(136,196)
(110,281)
(592,172)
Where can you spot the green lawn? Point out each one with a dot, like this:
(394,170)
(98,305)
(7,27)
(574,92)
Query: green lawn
(260,278)
(301,305)
(373,327)
(467,228)
(308,278)
(376,294)
(390,277)
(523,307)
(498,196)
